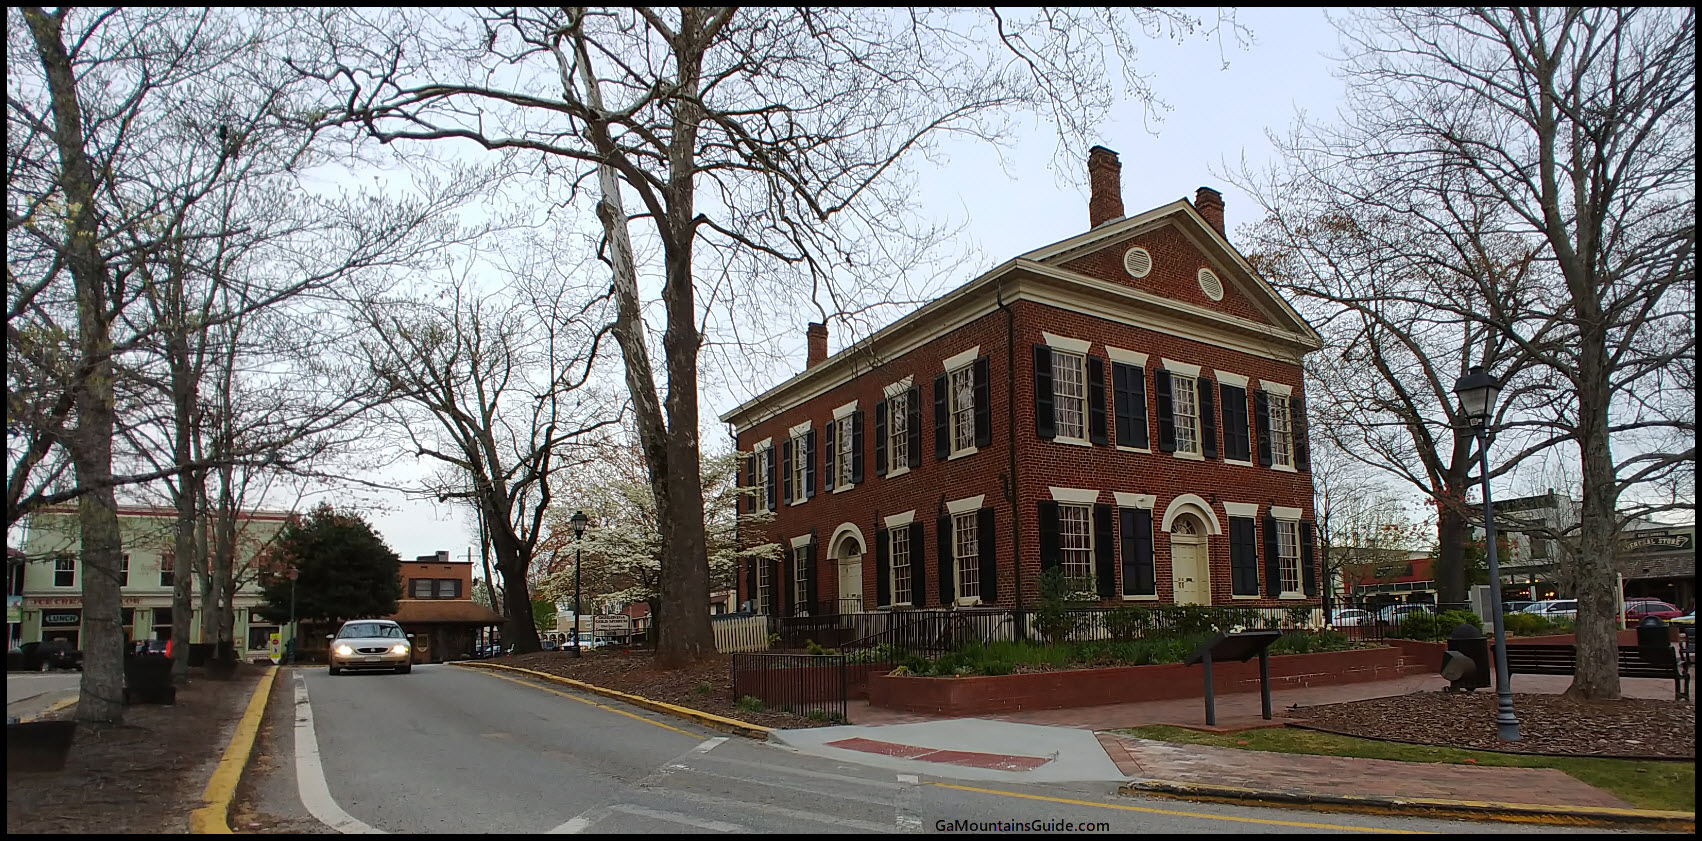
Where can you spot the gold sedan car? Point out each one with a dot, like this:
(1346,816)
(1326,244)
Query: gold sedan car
(371,644)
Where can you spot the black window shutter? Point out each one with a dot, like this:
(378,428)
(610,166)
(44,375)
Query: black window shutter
(1045,424)
(769,488)
(1137,552)
(883,574)
(1208,418)
(750,582)
(788,584)
(750,482)
(829,468)
(1308,575)
(1051,555)
(1273,563)
(1166,411)
(856,447)
(773,594)
(918,566)
(810,581)
(983,405)
(1262,423)
(1104,553)
(786,471)
(913,406)
(1096,432)
(880,438)
(947,560)
(1235,437)
(1243,558)
(1297,428)
(989,556)
(942,414)
(809,457)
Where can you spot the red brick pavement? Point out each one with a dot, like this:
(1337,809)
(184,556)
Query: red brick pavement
(972,759)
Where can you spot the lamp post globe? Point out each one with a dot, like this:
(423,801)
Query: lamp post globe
(1477,391)
(579,521)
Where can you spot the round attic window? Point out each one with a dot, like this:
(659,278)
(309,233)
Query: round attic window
(1137,262)
(1210,285)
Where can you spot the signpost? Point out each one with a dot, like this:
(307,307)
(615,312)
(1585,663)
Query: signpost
(1242,646)
(612,625)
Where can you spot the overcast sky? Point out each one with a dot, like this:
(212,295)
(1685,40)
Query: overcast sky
(1218,114)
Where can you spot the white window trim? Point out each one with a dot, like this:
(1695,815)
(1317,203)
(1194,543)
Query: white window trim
(967,451)
(839,489)
(1127,357)
(1285,513)
(892,560)
(1241,509)
(800,468)
(898,387)
(1238,462)
(1128,500)
(1231,379)
(1147,450)
(800,541)
(1182,368)
(1300,576)
(1086,420)
(1074,496)
(1277,388)
(897,472)
(1139,598)
(1188,456)
(845,411)
(1285,468)
(1067,344)
(798,430)
(964,505)
(1074,442)
(958,360)
(896,520)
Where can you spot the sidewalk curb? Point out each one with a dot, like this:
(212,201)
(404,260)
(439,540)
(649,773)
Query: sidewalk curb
(52,708)
(710,720)
(1421,806)
(211,818)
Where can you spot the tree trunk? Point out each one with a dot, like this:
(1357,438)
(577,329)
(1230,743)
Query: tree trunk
(1450,572)
(1597,675)
(518,628)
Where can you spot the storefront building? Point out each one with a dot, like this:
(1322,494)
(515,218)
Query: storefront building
(1660,563)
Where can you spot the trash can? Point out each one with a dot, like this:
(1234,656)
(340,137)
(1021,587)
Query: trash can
(1466,663)
(147,675)
(1653,637)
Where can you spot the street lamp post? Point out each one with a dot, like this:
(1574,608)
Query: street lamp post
(295,632)
(578,520)
(1477,391)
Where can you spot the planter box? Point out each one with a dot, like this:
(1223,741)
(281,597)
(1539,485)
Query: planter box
(965,696)
(38,745)
(808,684)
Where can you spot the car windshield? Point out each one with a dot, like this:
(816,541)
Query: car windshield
(370,630)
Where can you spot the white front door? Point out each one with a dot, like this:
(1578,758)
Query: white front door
(1188,572)
(850,584)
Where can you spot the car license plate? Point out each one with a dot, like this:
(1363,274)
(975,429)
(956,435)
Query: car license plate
(372,658)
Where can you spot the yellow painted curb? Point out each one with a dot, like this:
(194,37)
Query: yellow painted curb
(52,708)
(710,720)
(221,788)
(1421,806)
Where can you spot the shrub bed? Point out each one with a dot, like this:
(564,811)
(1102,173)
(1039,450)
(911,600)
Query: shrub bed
(1023,657)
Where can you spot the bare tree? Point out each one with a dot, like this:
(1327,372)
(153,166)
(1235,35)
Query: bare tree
(1544,161)
(1360,518)
(492,388)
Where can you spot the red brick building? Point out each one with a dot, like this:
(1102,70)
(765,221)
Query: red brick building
(1125,405)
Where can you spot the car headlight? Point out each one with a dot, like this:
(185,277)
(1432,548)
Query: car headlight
(399,648)
(343,649)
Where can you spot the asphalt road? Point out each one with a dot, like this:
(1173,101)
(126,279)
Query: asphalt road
(452,750)
(28,694)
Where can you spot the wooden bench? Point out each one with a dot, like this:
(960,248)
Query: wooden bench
(1633,662)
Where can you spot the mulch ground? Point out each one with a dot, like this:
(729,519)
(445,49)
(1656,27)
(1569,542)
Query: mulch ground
(143,776)
(706,686)
(1548,724)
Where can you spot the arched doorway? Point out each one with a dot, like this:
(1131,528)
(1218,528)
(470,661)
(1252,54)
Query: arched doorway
(1190,574)
(847,553)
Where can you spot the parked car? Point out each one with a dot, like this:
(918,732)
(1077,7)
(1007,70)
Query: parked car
(1538,607)
(371,644)
(1636,609)
(1351,617)
(549,645)
(588,641)
(1561,609)
(1515,606)
(1393,614)
(49,655)
(1686,619)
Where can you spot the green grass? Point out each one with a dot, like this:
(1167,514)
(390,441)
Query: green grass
(1647,785)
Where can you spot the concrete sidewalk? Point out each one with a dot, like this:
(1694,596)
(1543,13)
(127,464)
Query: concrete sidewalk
(1071,745)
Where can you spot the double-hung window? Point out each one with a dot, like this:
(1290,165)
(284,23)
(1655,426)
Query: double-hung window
(762,582)
(1069,395)
(800,467)
(898,432)
(64,571)
(900,559)
(963,408)
(1288,557)
(966,549)
(124,571)
(166,578)
(1187,413)
(1075,534)
(1282,433)
(843,439)
(801,580)
(766,494)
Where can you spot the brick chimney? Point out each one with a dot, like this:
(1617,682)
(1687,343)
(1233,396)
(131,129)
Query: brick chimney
(1209,203)
(1105,187)
(817,334)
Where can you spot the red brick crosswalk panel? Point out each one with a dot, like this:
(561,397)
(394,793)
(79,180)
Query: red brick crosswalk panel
(995,761)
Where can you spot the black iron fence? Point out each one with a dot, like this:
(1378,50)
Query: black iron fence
(811,685)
